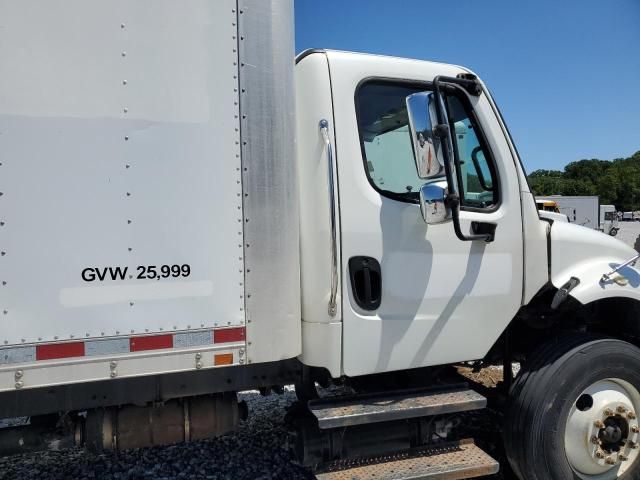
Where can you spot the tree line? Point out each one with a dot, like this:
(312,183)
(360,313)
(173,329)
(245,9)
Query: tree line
(616,182)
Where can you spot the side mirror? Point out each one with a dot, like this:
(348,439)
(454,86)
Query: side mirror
(427,147)
(433,203)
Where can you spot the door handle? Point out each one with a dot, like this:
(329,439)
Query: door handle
(366,282)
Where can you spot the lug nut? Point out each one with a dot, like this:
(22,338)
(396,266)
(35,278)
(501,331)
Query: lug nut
(631,415)
(610,461)
(600,454)
(621,409)
(599,424)
(595,440)
(635,428)
(607,412)
(633,445)
(622,458)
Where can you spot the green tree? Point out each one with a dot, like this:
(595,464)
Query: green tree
(616,182)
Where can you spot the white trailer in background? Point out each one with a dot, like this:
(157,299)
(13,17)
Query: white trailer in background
(581,210)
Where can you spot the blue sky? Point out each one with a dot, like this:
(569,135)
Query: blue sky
(566,73)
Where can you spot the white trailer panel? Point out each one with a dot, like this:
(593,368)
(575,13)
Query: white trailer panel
(119,151)
(581,210)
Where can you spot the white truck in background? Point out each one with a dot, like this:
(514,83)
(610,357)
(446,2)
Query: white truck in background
(186,212)
(580,209)
(609,220)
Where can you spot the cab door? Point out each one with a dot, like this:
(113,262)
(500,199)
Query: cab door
(413,294)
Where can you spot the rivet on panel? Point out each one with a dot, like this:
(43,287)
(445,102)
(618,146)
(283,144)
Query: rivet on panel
(122,25)
(125,109)
(19,385)
(124,82)
(124,54)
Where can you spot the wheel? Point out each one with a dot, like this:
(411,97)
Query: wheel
(613,232)
(572,412)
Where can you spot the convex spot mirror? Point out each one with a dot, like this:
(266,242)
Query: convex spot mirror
(427,147)
(433,204)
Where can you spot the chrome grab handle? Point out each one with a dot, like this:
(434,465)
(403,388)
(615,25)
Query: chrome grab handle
(324,129)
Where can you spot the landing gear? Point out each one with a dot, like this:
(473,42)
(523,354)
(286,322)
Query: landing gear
(573,412)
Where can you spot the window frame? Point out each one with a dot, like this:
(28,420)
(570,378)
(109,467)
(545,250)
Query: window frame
(422,85)
(484,144)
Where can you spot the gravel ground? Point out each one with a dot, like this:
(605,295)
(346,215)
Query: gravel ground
(257,450)
(628,232)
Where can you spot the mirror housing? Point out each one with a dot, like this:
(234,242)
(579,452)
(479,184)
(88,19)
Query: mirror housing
(427,146)
(433,203)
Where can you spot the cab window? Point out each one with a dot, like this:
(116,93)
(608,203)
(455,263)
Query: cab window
(388,153)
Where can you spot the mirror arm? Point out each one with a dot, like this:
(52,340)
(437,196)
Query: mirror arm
(443,131)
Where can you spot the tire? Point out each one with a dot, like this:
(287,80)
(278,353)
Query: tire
(543,407)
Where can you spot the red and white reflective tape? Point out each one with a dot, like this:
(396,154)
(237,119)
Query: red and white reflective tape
(120,345)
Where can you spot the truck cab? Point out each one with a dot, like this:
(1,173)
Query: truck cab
(407,291)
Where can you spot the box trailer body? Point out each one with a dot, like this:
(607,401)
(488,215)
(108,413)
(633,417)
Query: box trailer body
(581,210)
(142,205)
(187,210)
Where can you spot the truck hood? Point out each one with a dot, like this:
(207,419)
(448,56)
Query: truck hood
(586,254)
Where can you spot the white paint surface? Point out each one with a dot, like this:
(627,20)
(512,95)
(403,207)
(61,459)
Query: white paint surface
(118,131)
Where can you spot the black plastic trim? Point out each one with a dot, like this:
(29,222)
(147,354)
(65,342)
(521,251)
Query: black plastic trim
(309,51)
(366,282)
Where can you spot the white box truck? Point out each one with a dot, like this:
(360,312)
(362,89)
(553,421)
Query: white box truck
(580,209)
(187,212)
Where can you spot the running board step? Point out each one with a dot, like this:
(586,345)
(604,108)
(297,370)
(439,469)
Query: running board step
(449,462)
(351,410)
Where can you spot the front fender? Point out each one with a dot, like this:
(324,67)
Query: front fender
(587,254)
